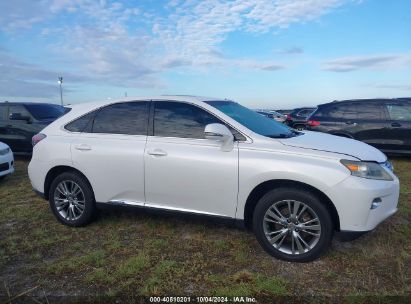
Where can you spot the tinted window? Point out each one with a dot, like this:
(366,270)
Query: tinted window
(349,111)
(176,119)
(3,110)
(45,111)
(370,111)
(80,124)
(337,111)
(18,109)
(252,120)
(122,118)
(399,111)
(304,113)
(332,111)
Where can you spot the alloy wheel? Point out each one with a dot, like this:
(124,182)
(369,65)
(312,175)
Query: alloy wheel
(69,200)
(292,227)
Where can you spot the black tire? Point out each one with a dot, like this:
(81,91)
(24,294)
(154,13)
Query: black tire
(87,195)
(300,127)
(2,177)
(309,199)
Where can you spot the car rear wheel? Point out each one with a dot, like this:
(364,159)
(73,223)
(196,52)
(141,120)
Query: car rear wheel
(292,225)
(300,127)
(71,199)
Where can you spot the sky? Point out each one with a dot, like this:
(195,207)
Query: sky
(262,53)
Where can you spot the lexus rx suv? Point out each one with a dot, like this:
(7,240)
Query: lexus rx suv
(382,123)
(217,158)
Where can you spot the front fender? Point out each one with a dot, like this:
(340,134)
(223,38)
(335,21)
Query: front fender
(256,167)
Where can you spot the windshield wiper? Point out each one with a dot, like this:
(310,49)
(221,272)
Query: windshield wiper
(282,135)
(293,133)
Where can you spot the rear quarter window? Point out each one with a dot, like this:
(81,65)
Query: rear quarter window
(81,124)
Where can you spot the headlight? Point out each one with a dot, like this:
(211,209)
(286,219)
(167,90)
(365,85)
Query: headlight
(366,170)
(4,151)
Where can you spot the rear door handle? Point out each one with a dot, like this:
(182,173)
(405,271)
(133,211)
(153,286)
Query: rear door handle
(82,147)
(157,152)
(350,123)
(395,125)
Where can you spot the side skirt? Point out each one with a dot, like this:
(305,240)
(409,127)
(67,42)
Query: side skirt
(136,206)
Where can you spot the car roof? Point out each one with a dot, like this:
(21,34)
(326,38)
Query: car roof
(364,100)
(27,103)
(187,98)
(303,108)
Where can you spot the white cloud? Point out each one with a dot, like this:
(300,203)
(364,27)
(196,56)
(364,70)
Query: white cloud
(196,28)
(122,44)
(375,62)
(28,80)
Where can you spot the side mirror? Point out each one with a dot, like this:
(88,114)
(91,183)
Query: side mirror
(18,116)
(221,133)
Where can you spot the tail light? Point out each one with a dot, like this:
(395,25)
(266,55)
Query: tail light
(313,123)
(37,138)
(288,117)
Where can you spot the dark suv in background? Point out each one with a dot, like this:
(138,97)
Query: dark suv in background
(297,119)
(383,123)
(20,121)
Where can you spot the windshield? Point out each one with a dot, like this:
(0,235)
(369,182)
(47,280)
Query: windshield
(252,120)
(45,111)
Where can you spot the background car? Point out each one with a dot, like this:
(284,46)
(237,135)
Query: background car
(6,160)
(20,121)
(285,112)
(297,119)
(383,123)
(273,115)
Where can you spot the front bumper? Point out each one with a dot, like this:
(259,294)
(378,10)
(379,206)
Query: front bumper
(353,199)
(6,164)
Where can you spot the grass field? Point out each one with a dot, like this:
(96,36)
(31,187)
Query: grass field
(131,253)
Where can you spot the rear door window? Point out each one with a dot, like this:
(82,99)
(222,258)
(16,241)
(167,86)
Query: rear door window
(370,111)
(122,118)
(349,111)
(330,111)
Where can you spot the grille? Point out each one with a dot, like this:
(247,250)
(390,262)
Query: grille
(4,167)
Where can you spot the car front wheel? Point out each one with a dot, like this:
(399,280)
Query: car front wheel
(72,199)
(292,225)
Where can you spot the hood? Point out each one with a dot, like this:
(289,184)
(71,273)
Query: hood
(336,144)
(3,146)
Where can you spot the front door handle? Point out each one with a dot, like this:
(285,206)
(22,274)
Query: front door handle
(157,152)
(82,147)
(396,125)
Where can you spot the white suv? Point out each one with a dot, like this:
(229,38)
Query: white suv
(218,158)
